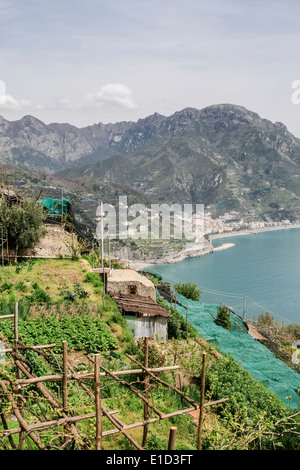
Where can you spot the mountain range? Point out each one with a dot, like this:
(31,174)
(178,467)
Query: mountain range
(223,156)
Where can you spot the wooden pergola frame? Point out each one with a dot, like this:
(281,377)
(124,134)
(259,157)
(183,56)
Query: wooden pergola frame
(71,433)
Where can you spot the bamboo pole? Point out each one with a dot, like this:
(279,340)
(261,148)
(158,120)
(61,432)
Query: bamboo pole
(18,414)
(20,401)
(89,375)
(115,421)
(52,401)
(146,387)
(71,419)
(2,242)
(10,315)
(65,377)
(165,383)
(16,326)
(201,413)
(119,426)
(51,424)
(134,390)
(98,403)
(172,438)
(5,427)
(169,415)
(65,385)
(22,348)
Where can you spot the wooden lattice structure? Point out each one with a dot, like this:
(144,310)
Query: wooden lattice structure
(65,425)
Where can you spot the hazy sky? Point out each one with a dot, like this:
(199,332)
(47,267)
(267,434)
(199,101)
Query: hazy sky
(91,61)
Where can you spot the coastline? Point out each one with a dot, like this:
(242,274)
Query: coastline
(252,231)
(197,252)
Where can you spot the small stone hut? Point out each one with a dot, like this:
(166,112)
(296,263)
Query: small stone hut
(136,299)
(129,282)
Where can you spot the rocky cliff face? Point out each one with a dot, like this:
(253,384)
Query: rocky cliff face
(31,143)
(225,127)
(222,154)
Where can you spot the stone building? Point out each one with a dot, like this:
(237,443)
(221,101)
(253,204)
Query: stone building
(136,299)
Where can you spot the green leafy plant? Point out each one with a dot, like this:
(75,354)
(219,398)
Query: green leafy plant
(94,279)
(80,291)
(6,286)
(39,296)
(24,223)
(80,332)
(223,317)
(21,287)
(188,290)
(177,326)
(71,295)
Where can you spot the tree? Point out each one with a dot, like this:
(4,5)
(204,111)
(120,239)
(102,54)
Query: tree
(266,319)
(24,223)
(223,317)
(188,290)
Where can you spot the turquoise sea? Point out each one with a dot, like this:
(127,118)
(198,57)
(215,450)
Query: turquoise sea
(261,273)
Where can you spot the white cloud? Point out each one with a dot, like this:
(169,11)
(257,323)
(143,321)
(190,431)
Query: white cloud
(115,94)
(63,102)
(9,102)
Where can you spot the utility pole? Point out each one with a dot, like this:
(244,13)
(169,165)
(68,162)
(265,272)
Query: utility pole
(102,256)
(244,308)
(109,262)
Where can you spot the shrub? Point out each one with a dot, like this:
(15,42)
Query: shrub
(293,329)
(69,295)
(94,279)
(188,290)
(80,291)
(39,296)
(223,317)
(6,286)
(177,328)
(21,287)
(266,319)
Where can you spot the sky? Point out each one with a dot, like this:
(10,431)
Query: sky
(91,61)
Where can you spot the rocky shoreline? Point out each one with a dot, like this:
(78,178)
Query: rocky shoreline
(197,251)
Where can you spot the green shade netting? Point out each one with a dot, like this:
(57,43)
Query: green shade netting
(252,355)
(55,207)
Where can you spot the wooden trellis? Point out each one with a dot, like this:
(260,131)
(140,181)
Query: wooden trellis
(71,436)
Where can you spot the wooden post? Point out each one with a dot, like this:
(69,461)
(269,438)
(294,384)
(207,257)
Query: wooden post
(16,326)
(20,401)
(201,413)
(2,243)
(98,402)
(7,250)
(172,438)
(65,384)
(53,402)
(102,255)
(146,386)
(65,377)
(18,414)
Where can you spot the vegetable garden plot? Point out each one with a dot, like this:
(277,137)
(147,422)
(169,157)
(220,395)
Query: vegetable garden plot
(47,419)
